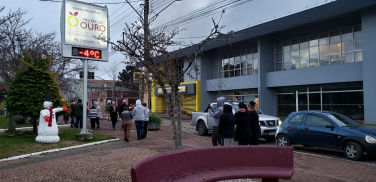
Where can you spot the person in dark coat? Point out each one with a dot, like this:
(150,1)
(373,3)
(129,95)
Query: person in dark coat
(226,126)
(243,125)
(255,124)
(113,114)
(122,108)
(72,114)
(78,112)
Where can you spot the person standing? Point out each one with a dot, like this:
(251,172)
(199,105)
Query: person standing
(146,120)
(98,108)
(255,124)
(93,117)
(113,114)
(243,125)
(72,114)
(226,126)
(122,108)
(127,117)
(216,115)
(139,116)
(78,112)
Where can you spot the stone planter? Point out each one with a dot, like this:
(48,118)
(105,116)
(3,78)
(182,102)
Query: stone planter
(153,126)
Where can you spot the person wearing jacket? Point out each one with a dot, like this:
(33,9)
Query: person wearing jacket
(243,125)
(255,124)
(122,108)
(126,117)
(139,116)
(146,121)
(78,112)
(113,114)
(72,114)
(93,117)
(216,114)
(98,108)
(226,126)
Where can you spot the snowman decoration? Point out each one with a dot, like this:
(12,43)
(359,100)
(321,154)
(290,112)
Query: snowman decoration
(48,130)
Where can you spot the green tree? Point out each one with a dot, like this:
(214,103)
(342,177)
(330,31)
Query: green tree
(27,91)
(126,77)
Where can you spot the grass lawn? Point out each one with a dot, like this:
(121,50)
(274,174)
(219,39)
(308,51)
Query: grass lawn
(4,121)
(24,142)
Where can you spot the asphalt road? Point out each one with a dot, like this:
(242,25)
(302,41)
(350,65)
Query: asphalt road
(371,160)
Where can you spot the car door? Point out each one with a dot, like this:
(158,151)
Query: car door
(316,132)
(294,127)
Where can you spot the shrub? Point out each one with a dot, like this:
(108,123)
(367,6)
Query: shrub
(155,119)
(19,119)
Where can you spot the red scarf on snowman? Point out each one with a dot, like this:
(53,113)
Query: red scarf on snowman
(49,117)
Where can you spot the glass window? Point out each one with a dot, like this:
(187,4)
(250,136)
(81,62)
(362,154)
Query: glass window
(324,39)
(314,61)
(342,120)
(324,60)
(279,58)
(249,55)
(279,67)
(324,50)
(358,32)
(348,57)
(304,58)
(313,41)
(335,48)
(314,51)
(314,88)
(343,86)
(297,119)
(286,46)
(295,45)
(347,46)
(231,63)
(243,56)
(335,59)
(358,56)
(255,66)
(286,57)
(304,43)
(335,37)
(346,34)
(286,66)
(358,44)
(312,120)
(278,47)
(237,61)
(295,60)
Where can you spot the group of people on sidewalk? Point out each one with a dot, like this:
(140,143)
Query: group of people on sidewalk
(77,114)
(246,120)
(140,114)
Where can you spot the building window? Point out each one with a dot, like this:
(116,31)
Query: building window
(336,47)
(343,98)
(238,95)
(238,64)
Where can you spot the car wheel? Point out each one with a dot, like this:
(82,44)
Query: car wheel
(282,140)
(270,139)
(201,128)
(353,151)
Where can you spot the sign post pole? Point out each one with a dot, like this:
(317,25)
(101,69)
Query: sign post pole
(84,129)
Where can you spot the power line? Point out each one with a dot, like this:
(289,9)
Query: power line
(55,1)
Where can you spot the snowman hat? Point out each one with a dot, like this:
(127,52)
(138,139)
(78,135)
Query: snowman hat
(48,97)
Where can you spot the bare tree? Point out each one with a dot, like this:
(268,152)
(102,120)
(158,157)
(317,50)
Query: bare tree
(220,84)
(164,65)
(15,40)
(112,73)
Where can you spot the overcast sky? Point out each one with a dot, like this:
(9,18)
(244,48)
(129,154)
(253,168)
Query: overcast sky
(46,18)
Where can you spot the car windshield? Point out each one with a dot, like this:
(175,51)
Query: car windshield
(342,120)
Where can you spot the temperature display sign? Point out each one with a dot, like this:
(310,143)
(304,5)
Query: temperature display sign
(85,52)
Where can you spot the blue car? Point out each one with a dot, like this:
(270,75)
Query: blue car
(330,130)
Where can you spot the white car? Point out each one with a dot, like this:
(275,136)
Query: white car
(204,123)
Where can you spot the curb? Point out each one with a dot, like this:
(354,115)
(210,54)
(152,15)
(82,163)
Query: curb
(56,150)
(28,128)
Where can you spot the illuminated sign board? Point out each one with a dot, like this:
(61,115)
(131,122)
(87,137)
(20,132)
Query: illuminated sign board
(88,53)
(81,24)
(182,89)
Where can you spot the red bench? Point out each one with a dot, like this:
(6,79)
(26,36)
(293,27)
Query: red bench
(217,163)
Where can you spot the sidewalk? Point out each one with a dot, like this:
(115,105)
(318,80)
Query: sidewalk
(112,161)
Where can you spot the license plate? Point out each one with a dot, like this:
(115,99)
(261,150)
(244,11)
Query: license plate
(271,132)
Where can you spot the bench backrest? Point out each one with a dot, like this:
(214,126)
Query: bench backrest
(189,161)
